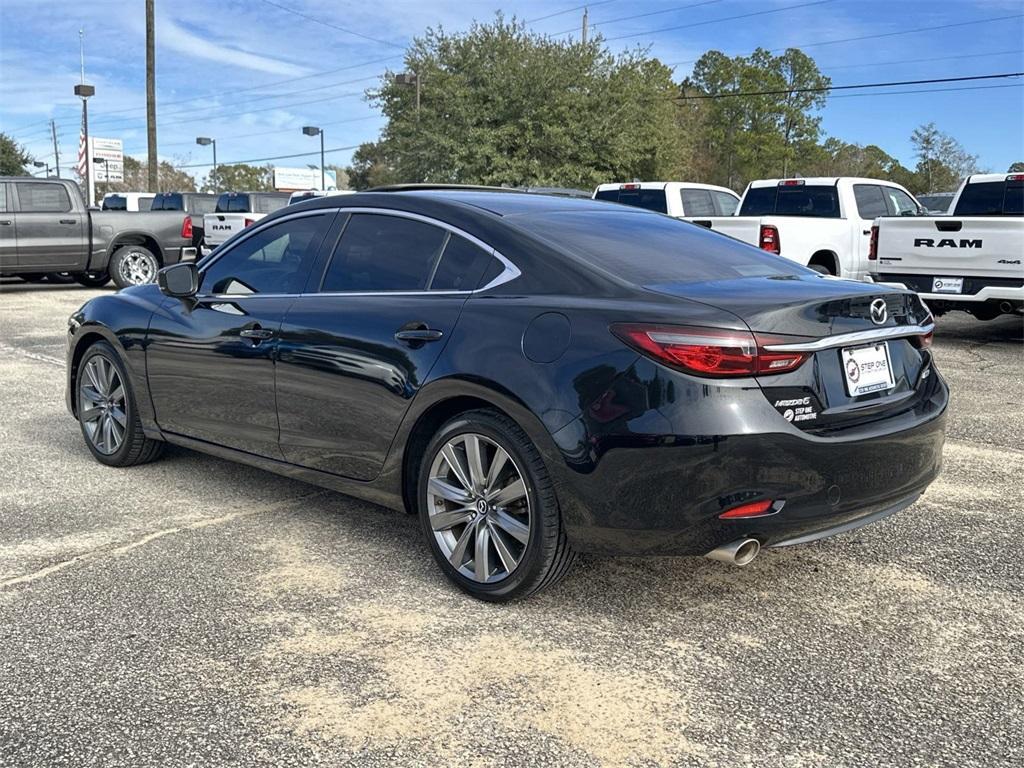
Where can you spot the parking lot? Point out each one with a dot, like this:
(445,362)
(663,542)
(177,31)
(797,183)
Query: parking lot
(194,611)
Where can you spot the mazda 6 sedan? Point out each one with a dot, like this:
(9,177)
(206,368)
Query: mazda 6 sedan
(532,376)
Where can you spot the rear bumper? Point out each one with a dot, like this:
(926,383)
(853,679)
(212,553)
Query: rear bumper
(662,494)
(977,290)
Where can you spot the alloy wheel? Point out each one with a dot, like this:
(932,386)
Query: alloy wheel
(138,268)
(479,508)
(101,405)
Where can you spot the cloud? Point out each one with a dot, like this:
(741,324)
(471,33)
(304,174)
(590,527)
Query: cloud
(188,42)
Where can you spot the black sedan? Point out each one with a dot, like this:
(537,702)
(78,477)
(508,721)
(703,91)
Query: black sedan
(533,376)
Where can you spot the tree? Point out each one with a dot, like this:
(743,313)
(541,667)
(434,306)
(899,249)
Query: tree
(941,160)
(501,105)
(136,178)
(240,178)
(1016,168)
(771,131)
(13,157)
(835,157)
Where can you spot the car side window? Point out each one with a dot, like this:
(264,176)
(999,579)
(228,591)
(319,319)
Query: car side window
(726,204)
(42,198)
(697,202)
(3,197)
(870,202)
(378,252)
(275,259)
(900,203)
(461,267)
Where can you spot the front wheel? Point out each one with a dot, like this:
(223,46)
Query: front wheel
(133,265)
(107,412)
(488,509)
(92,279)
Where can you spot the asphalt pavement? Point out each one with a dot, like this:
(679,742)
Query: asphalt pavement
(198,612)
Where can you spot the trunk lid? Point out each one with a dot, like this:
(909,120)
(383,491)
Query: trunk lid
(865,360)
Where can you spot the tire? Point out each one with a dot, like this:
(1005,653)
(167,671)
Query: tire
(92,279)
(133,265)
(539,556)
(117,441)
(60,278)
(820,269)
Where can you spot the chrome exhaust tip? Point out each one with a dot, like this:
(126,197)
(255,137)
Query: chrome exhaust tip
(740,552)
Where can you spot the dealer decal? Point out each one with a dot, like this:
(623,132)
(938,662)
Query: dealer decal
(797,409)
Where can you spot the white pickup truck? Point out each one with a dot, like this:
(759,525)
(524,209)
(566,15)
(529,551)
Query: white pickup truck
(235,211)
(676,198)
(971,260)
(822,223)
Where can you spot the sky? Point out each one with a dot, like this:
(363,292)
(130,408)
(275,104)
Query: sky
(251,73)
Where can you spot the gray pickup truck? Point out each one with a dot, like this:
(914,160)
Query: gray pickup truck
(45,228)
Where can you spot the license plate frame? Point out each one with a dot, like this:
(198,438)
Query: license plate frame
(954,285)
(867,369)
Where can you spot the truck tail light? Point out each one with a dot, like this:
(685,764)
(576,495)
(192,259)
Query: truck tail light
(1015,177)
(186,228)
(873,244)
(712,352)
(249,222)
(770,239)
(791,182)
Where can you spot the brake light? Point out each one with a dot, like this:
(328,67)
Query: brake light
(186,228)
(753,509)
(1015,177)
(873,244)
(629,186)
(791,182)
(770,239)
(712,352)
(249,222)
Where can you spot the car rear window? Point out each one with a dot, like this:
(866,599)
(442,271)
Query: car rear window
(168,202)
(270,203)
(991,198)
(232,203)
(815,200)
(648,199)
(114,203)
(647,249)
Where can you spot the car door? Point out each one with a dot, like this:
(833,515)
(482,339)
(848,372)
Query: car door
(51,234)
(210,359)
(8,233)
(355,350)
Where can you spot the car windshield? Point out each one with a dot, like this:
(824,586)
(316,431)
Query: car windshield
(645,249)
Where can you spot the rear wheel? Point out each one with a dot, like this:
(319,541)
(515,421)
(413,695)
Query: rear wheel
(821,269)
(133,265)
(107,412)
(488,509)
(92,279)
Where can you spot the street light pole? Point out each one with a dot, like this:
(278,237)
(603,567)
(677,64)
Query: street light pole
(204,141)
(84,91)
(312,130)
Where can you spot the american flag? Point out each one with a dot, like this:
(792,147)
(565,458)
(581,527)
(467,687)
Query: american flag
(82,152)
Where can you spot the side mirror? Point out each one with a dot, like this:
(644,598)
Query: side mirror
(179,280)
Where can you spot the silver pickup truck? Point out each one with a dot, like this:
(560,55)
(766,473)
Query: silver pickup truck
(45,228)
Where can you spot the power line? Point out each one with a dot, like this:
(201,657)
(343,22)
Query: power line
(862,65)
(826,89)
(329,24)
(568,10)
(717,21)
(876,36)
(275,133)
(265,159)
(641,15)
(930,90)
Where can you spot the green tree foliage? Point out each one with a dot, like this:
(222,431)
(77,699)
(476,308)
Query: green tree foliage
(773,132)
(941,160)
(501,105)
(835,157)
(1016,168)
(136,178)
(13,157)
(240,178)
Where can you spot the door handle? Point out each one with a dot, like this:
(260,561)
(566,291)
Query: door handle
(419,335)
(69,221)
(5,223)
(256,334)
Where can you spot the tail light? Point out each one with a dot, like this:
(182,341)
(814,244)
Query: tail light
(1015,177)
(249,222)
(770,239)
(873,244)
(186,228)
(712,352)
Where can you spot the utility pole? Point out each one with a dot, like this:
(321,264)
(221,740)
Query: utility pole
(56,151)
(586,16)
(151,99)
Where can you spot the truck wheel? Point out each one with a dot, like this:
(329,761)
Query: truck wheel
(133,265)
(60,278)
(92,279)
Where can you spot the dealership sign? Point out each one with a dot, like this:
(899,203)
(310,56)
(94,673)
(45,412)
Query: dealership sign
(292,179)
(107,159)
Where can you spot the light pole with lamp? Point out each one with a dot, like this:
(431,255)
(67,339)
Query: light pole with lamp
(310,130)
(204,141)
(84,91)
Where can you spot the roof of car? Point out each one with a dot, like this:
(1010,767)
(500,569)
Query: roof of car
(664,185)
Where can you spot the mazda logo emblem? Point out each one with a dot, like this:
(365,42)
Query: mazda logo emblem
(879,312)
